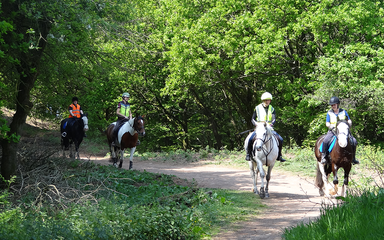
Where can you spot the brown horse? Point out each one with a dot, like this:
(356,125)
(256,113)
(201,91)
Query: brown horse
(127,137)
(341,156)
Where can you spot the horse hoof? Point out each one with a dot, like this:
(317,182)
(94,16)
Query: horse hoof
(262,193)
(130,165)
(321,192)
(115,165)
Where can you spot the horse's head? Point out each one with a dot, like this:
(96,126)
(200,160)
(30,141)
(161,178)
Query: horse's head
(342,133)
(85,121)
(261,135)
(138,125)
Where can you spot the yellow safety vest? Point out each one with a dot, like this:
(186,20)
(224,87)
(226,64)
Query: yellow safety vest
(333,117)
(124,109)
(262,116)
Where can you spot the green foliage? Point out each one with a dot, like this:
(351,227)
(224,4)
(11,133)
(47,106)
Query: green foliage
(124,205)
(359,217)
(6,193)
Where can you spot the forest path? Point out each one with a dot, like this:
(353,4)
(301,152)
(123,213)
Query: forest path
(292,200)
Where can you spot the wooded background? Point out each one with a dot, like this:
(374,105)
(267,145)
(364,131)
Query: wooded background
(195,68)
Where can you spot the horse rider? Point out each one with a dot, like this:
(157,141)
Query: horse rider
(75,112)
(123,113)
(333,115)
(264,112)
(124,108)
(74,109)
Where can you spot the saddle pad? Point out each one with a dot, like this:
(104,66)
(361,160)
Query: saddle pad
(333,141)
(65,125)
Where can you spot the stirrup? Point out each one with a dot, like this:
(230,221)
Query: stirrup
(64,134)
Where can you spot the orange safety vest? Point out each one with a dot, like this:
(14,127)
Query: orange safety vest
(75,111)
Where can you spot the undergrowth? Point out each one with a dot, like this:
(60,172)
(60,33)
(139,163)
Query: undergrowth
(73,199)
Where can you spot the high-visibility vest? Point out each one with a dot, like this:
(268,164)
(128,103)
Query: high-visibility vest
(263,116)
(333,117)
(124,109)
(75,111)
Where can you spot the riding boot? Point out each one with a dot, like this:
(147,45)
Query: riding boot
(354,161)
(280,157)
(249,149)
(247,157)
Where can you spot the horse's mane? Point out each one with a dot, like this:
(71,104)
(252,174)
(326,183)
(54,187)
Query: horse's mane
(342,121)
(269,129)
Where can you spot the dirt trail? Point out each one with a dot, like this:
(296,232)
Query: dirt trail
(292,199)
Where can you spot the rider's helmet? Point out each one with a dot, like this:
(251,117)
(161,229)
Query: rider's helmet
(75,99)
(125,95)
(334,100)
(266,96)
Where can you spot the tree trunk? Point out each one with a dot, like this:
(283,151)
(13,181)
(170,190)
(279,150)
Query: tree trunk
(26,69)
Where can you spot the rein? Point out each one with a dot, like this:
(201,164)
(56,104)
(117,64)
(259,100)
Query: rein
(265,150)
(134,125)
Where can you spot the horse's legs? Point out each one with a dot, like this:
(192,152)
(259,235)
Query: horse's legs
(71,154)
(77,155)
(131,157)
(254,172)
(344,189)
(113,150)
(335,179)
(121,158)
(262,176)
(325,180)
(268,177)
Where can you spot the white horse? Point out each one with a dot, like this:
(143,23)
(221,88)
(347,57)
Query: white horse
(127,137)
(264,152)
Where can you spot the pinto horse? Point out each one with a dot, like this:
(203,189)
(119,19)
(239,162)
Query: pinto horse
(341,157)
(264,152)
(72,131)
(127,137)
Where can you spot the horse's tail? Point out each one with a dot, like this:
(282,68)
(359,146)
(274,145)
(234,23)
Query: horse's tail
(319,178)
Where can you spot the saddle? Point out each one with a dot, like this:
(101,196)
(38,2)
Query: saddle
(331,145)
(68,123)
(117,127)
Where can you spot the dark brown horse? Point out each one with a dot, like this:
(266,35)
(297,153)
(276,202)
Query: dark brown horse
(127,137)
(72,131)
(341,156)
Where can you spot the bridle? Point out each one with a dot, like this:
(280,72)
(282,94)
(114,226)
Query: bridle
(85,124)
(342,133)
(136,125)
(264,140)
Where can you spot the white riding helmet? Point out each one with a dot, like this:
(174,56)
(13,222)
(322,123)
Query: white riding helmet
(266,96)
